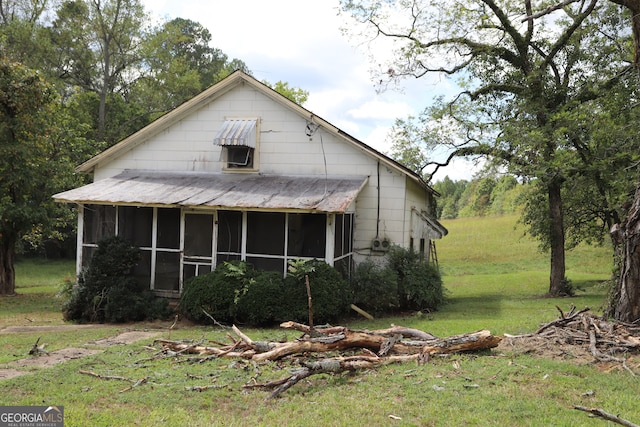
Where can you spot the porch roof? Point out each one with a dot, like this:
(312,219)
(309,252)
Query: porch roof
(224,191)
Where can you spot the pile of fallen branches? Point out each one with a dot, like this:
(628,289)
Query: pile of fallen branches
(340,349)
(605,340)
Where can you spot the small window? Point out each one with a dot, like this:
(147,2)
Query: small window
(239,141)
(239,157)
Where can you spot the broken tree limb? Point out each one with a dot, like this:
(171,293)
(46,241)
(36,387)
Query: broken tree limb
(330,366)
(361,312)
(346,340)
(562,320)
(37,349)
(180,347)
(481,340)
(406,333)
(605,416)
(307,330)
(104,377)
(309,301)
(375,348)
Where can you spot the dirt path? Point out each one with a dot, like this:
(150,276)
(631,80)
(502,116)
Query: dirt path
(17,367)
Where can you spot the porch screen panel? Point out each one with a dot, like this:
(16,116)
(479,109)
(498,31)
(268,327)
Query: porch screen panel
(167,271)
(168,229)
(167,267)
(135,224)
(265,233)
(229,245)
(343,249)
(344,234)
(198,235)
(142,271)
(267,264)
(306,235)
(198,245)
(99,223)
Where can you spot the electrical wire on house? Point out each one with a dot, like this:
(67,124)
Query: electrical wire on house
(310,130)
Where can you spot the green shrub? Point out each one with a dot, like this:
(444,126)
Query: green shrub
(422,288)
(236,292)
(419,282)
(330,294)
(106,290)
(263,301)
(375,287)
(214,293)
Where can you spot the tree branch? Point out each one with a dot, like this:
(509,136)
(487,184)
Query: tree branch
(605,416)
(548,10)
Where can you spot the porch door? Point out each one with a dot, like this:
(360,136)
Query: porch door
(198,252)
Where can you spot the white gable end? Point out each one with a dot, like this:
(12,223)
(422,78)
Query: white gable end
(284,144)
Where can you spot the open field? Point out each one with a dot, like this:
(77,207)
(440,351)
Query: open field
(496,280)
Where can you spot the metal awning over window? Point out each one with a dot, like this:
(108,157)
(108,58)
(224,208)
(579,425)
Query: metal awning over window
(237,132)
(221,191)
(424,227)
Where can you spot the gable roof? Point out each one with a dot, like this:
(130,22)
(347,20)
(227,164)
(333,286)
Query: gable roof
(207,96)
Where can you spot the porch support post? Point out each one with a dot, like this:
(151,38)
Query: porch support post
(79,239)
(329,252)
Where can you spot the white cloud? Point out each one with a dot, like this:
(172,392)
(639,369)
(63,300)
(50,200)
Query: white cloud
(381,110)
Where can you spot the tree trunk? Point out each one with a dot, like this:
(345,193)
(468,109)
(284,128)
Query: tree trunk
(557,283)
(634,8)
(625,303)
(7,268)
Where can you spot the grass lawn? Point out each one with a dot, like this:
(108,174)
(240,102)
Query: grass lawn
(496,280)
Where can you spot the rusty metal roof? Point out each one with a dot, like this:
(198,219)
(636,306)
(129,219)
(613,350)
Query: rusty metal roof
(216,190)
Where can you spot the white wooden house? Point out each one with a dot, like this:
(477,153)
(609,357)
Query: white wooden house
(242,172)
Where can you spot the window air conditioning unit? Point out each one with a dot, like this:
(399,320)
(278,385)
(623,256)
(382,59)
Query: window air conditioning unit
(380,245)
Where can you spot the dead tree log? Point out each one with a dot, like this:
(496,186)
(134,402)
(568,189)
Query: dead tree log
(380,347)
(330,366)
(344,340)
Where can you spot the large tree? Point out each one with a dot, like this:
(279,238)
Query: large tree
(96,45)
(35,161)
(523,80)
(178,62)
(624,303)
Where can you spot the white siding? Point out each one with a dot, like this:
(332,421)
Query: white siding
(284,148)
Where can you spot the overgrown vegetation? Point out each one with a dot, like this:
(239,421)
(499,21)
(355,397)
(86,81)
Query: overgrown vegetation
(404,282)
(107,292)
(235,291)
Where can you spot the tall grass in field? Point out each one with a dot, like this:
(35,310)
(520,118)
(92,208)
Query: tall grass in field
(497,277)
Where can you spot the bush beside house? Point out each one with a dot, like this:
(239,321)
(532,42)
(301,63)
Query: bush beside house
(235,292)
(107,292)
(404,282)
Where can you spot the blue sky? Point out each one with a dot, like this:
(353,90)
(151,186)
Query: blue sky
(301,43)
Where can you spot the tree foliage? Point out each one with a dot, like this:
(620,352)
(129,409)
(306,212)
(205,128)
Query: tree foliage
(297,95)
(178,62)
(34,160)
(534,96)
